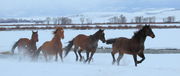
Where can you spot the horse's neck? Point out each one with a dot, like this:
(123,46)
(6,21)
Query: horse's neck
(92,42)
(32,43)
(56,39)
(93,38)
(140,39)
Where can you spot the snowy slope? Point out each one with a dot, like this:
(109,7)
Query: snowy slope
(103,17)
(98,17)
(154,65)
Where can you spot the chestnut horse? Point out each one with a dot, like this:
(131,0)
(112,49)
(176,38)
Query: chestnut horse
(88,43)
(53,47)
(26,46)
(133,46)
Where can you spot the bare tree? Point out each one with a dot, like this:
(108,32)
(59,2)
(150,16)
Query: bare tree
(122,19)
(59,20)
(169,19)
(140,19)
(55,20)
(48,19)
(89,21)
(65,20)
(116,19)
(82,19)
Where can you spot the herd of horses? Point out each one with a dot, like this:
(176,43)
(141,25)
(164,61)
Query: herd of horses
(133,46)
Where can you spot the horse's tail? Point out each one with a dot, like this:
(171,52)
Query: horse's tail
(68,47)
(14,46)
(110,41)
(36,54)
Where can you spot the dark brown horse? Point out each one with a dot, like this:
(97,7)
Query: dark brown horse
(88,43)
(25,45)
(53,47)
(133,46)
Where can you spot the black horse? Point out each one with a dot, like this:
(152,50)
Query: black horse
(133,46)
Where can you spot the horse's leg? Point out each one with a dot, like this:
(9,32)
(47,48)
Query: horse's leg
(135,59)
(119,58)
(60,54)
(92,53)
(142,56)
(50,57)
(45,56)
(20,52)
(113,53)
(56,56)
(79,52)
(87,54)
(75,51)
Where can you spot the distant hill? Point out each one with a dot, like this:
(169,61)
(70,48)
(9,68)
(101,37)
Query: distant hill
(104,16)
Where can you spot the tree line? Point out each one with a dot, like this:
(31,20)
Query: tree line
(85,20)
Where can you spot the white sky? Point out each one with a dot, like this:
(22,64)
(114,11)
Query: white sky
(16,8)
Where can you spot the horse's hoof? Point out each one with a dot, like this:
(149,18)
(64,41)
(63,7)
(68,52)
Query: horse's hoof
(85,61)
(81,60)
(89,62)
(135,65)
(138,62)
(118,64)
(113,62)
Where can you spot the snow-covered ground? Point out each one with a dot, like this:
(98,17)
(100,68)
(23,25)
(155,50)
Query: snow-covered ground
(154,65)
(165,38)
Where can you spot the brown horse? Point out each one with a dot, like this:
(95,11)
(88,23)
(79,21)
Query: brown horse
(88,43)
(25,45)
(53,47)
(133,46)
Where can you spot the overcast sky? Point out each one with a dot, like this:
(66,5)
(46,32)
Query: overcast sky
(28,8)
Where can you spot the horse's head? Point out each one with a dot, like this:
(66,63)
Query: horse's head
(101,35)
(59,32)
(148,31)
(35,36)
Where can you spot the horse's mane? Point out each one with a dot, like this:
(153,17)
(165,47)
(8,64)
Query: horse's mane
(140,32)
(99,31)
(57,29)
(95,34)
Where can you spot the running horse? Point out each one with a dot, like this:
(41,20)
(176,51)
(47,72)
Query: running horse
(53,47)
(26,46)
(133,46)
(88,43)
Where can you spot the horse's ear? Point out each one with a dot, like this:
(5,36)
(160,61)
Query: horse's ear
(55,31)
(101,30)
(148,26)
(145,26)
